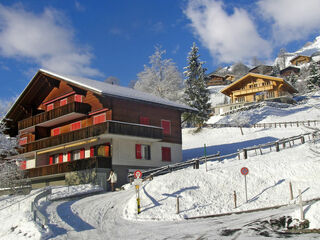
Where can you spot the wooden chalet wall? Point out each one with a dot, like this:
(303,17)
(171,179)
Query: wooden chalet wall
(124,110)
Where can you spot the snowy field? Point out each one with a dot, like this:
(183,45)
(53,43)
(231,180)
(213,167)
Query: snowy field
(201,192)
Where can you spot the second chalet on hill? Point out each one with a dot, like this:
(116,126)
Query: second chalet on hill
(73,130)
(253,88)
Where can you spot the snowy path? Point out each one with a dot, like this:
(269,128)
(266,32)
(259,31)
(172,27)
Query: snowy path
(100,217)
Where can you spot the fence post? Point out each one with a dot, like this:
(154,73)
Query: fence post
(297,124)
(302,140)
(264,125)
(301,207)
(235,199)
(178,205)
(284,145)
(285,125)
(260,149)
(245,153)
(308,123)
(277,146)
(291,193)
(238,154)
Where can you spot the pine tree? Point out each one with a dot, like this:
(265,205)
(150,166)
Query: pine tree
(162,78)
(11,175)
(314,77)
(275,70)
(196,92)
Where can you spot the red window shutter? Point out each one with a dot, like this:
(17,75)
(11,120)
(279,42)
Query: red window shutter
(60,157)
(91,151)
(55,131)
(69,156)
(23,165)
(82,152)
(63,101)
(166,125)
(23,141)
(50,107)
(75,126)
(51,160)
(78,98)
(138,151)
(166,154)
(99,118)
(144,120)
(107,148)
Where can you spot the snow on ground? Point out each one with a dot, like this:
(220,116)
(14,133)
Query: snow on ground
(211,192)
(216,97)
(73,191)
(16,217)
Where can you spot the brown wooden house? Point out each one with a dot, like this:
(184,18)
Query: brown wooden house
(72,130)
(256,87)
(215,80)
(300,59)
(262,69)
(286,72)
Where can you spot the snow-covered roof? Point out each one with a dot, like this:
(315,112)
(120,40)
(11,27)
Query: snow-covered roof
(117,91)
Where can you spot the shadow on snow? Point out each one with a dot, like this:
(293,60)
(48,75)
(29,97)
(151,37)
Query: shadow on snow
(224,148)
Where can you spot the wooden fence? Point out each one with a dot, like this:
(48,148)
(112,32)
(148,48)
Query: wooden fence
(287,124)
(270,125)
(258,149)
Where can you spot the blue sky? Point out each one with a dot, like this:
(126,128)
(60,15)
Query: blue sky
(97,39)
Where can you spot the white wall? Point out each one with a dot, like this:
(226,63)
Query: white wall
(124,153)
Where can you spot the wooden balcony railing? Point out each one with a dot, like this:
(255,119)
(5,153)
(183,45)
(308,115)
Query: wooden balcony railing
(112,127)
(75,107)
(76,165)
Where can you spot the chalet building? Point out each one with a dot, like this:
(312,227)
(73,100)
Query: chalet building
(262,69)
(299,60)
(253,88)
(291,70)
(216,80)
(73,130)
(229,77)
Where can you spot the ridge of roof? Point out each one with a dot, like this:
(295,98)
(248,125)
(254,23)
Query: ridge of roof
(103,88)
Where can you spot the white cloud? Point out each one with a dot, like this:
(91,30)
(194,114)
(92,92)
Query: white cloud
(45,39)
(291,19)
(229,38)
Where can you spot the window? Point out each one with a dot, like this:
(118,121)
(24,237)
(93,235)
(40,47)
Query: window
(50,107)
(23,141)
(82,153)
(55,132)
(99,118)
(76,155)
(143,152)
(69,156)
(166,125)
(56,158)
(75,126)
(51,160)
(166,154)
(78,98)
(144,120)
(100,150)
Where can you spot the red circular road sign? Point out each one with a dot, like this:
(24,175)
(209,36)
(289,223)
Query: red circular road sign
(244,171)
(137,174)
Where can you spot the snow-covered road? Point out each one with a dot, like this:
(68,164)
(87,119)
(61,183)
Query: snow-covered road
(100,217)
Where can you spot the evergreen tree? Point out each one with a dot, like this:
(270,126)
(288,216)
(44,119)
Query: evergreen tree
(314,77)
(292,79)
(162,78)
(275,70)
(196,92)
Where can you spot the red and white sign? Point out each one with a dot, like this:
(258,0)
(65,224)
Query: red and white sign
(244,171)
(137,174)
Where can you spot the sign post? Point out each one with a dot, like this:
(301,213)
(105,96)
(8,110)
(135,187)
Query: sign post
(137,182)
(205,156)
(244,172)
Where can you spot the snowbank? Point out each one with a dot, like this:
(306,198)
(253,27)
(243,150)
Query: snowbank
(203,193)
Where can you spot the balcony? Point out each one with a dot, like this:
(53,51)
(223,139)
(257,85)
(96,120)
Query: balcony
(252,90)
(65,113)
(77,165)
(109,127)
